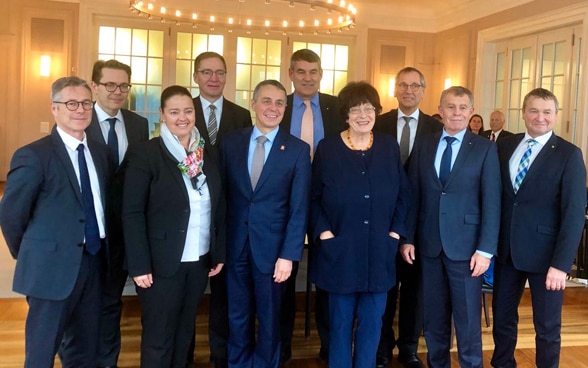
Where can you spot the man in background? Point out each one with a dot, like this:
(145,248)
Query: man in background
(118,128)
(310,116)
(408,124)
(496,131)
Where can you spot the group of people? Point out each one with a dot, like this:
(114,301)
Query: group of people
(395,207)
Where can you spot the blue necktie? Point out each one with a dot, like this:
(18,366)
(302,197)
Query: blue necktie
(113,140)
(524,165)
(92,232)
(445,167)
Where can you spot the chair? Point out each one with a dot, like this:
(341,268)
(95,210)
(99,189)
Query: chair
(486,289)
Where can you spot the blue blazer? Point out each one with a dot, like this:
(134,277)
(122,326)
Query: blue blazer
(464,215)
(273,217)
(361,197)
(42,215)
(542,223)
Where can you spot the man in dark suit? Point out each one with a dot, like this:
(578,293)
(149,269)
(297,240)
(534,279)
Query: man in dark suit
(496,132)
(543,203)
(454,222)
(267,176)
(322,120)
(407,124)
(216,116)
(52,217)
(119,128)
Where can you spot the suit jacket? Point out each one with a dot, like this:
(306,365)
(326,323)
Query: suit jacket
(273,217)
(333,123)
(542,223)
(42,215)
(233,117)
(463,216)
(388,123)
(501,136)
(156,210)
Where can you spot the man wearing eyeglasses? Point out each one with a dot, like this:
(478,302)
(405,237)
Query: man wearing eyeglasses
(216,116)
(52,217)
(408,124)
(118,128)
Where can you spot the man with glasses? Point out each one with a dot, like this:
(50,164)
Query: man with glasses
(118,128)
(216,116)
(408,124)
(53,221)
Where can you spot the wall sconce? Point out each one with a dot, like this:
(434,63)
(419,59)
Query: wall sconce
(391,87)
(45,66)
(447,83)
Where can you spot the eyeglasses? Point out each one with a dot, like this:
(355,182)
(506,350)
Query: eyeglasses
(111,87)
(413,87)
(72,105)
(208,73)
(358,110)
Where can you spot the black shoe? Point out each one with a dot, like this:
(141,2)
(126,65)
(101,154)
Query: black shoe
(324,354)
(410,361)
(382,360)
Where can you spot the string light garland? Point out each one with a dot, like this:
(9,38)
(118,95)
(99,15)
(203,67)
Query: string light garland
(284,16)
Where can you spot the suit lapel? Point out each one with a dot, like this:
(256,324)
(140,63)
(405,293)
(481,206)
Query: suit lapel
(541,159)
(274,159)
(101,165)
(200,120)
(94,130)
(61,152)
(505,162)
(462,155)
(171,164)
(133,134)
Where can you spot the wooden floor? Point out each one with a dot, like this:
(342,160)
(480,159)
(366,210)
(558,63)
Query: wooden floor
(574,335)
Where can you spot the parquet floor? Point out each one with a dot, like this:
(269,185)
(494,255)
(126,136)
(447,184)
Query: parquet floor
(574,335)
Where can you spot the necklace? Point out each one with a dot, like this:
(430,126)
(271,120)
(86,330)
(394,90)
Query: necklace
(351,143)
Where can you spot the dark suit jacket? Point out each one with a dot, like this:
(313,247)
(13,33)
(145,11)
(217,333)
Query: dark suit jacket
(42,216)
(388,123)
(233,117)
(273,217)
(463,216)
(333,123)
(542,223)
(503,134)
(156,210)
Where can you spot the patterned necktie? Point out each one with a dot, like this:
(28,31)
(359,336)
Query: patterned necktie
(258,160)
(307,127)
(113,140)
(524,165)
(445,167)
(91,230)
(212,125)
(493,137)
(405,140)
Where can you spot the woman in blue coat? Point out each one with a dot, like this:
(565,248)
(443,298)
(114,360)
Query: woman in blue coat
(359,204)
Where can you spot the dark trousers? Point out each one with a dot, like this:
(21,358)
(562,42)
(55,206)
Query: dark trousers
(410,314)
(452,292)
(69,326)
(509,284)
(218,319)
(168,317)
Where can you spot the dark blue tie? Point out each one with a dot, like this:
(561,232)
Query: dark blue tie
(445,167)
(113,140)
(92,232)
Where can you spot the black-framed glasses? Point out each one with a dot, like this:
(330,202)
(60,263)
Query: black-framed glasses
(111,87)
(73,105)
(208,73)
(413,87)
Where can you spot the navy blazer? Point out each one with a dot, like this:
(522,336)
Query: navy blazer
(273,217)
(333,123)
(233,117)
(156,210)
(360,197)
(42,215)
(464,215)
(542,223)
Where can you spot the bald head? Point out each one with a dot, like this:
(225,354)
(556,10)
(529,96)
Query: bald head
(497,121)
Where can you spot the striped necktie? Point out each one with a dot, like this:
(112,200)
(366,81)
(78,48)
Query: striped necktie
(524,165)
(212,125)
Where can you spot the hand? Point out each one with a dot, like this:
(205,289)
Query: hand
(216,270)
(555,280)
(144,281)
(394,235)
(326,235)
(479,264)
(283,270)
(407,253)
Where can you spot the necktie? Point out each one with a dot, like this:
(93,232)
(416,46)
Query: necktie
(405,140)
(91,231)
(493,137)
(445,167)
(524,165)
(307,127)
(258,160)
(113,139)
(212,125)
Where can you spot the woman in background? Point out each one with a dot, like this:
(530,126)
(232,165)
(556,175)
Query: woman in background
(476,124)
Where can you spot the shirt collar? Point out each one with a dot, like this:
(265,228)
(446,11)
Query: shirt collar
(542,139)
(459,136)
(102,115)
(270,136)
(70,141)
(414,115)
(206,104)
(299,101)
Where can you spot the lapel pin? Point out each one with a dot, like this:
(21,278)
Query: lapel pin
(282,147)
